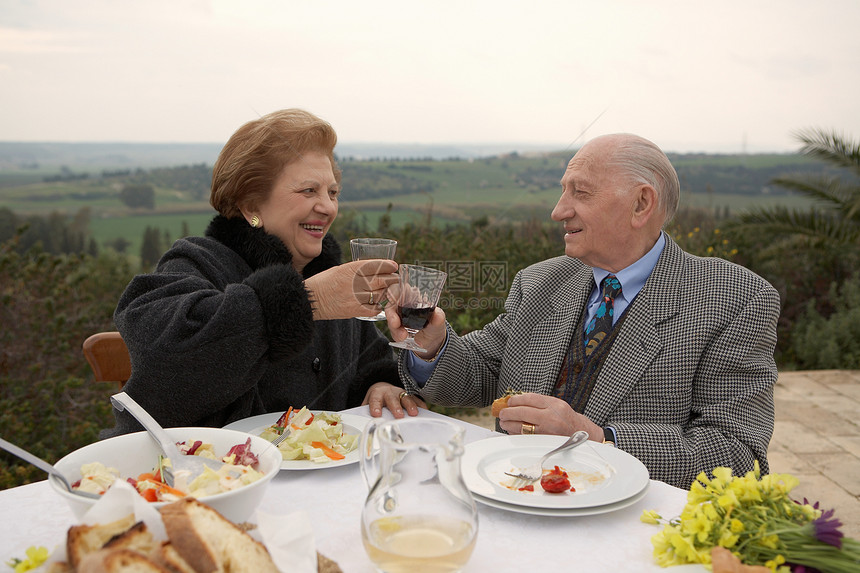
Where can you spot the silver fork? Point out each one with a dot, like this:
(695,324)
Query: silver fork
(287,431)
(535,471)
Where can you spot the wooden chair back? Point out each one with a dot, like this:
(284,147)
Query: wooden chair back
(108,356)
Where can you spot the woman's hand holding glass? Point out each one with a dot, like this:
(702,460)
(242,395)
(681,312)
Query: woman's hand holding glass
(351,289)
(370,248)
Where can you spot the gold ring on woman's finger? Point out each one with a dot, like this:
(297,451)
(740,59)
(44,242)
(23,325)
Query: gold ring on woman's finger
(403,395)
(528,429)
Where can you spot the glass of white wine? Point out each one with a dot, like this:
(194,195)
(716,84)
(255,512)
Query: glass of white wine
(419,515)
(369,248)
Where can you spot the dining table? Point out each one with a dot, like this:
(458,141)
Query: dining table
(333,499)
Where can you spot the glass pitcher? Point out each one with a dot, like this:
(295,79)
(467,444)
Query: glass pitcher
(419,515)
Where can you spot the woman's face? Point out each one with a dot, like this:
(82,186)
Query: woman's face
(301,206)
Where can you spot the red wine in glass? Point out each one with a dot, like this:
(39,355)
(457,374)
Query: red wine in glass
(415,318)
(420,288)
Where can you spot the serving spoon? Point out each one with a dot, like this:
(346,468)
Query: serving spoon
(191,466)
(44,466)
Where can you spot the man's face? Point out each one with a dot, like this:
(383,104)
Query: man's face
(596,208)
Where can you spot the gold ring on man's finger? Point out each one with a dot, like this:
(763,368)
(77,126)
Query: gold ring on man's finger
(403,395)
(371,298)
(528,429)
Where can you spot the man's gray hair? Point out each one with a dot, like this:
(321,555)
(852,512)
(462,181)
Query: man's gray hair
(646,163)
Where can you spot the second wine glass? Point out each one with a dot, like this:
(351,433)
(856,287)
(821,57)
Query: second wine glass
(370,248)
(420,288)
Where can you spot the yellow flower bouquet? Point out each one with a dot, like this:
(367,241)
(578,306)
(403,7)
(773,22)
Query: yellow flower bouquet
(754,518)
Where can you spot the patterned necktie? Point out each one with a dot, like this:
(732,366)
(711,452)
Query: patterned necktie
(600,325)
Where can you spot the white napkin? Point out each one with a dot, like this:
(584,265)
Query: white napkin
(120,500)
(289,538)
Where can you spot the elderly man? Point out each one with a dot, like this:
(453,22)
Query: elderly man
(666,355)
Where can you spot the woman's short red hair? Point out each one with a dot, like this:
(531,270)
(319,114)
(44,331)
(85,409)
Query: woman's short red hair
(255,155)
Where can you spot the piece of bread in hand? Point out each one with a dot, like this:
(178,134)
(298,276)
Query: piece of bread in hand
(209,542)
(500,404)
(85,539)
(118,560)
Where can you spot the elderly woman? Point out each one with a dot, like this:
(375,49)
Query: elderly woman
(256,316)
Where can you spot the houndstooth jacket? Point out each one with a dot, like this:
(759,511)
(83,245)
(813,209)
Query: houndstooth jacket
(688,383)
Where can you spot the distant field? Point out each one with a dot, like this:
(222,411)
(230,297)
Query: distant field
(132,227)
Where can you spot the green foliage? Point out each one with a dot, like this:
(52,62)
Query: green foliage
(834,220)
(55,233)
(362,181)
(698,231)
(802,252)
(192,179)
(152,248)
(832,342)
(138,195)
(49,303)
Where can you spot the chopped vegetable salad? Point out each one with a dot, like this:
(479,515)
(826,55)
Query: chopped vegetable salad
(318,437)
(240,468)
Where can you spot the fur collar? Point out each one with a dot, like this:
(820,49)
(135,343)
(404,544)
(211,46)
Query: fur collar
(260,249)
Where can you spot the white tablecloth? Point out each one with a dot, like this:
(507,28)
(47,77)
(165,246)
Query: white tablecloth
(333,497)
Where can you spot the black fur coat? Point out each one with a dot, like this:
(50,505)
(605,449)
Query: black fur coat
(223,329)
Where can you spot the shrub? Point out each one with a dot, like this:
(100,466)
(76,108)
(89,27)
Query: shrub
(834,341)
(49,304)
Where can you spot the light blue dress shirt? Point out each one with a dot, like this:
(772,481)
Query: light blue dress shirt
(632,280)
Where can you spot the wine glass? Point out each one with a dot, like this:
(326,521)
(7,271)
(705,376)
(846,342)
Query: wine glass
(366,248)
(420,288)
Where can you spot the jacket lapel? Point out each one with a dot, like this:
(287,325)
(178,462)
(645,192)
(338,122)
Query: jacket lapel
(551,336)
(638,343)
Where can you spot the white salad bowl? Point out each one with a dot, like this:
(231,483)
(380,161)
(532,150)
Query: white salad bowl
(134,454)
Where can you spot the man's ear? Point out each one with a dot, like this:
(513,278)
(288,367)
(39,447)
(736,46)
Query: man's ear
(645,206)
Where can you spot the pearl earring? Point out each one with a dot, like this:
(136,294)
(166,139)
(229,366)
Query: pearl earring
(255,221)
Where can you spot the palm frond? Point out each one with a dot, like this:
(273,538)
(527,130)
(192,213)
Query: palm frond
(814,224)
(824,188)
(831,147)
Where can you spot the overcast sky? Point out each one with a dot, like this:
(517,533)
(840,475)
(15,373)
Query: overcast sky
(725,76)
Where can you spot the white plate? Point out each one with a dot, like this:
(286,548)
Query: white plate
(601,474)
(352,424)
(575,512)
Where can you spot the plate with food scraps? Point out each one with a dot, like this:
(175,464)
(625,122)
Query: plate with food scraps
(352,425)
(599,474)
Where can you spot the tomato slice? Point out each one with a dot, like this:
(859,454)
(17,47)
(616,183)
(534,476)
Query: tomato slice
(555,481)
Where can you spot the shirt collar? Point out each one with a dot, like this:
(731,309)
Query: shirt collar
(633,278)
